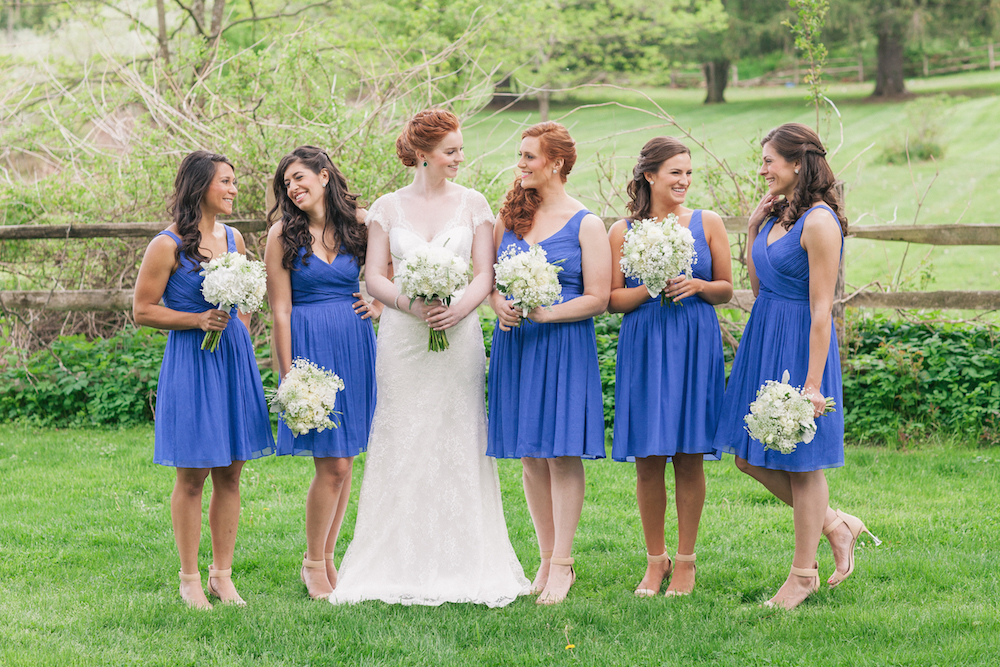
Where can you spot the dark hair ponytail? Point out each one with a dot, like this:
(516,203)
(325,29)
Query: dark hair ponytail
(656,151)
(194,177)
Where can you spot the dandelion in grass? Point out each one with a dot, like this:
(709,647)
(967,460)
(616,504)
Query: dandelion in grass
(429,273)
(232,280)
(306,397)
(655,252)
(527,278)
(782,416)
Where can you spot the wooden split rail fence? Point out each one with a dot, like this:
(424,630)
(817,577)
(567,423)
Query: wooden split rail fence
(121,300)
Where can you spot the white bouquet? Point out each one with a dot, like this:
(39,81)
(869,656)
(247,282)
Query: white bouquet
(656,252)
(232,280)
(306,397)
(433,272)
(782,416)
(528,278)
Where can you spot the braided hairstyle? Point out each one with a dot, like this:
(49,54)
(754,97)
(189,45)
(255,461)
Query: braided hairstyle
(194,177)
(341,208)
(424,132)
(796,142)
(656,151)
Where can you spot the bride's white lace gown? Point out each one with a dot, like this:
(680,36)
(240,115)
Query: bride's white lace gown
(430,527)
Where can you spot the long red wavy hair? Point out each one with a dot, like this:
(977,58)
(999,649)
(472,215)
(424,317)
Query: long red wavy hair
(520,205)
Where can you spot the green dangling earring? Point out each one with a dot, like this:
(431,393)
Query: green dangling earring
(425,163)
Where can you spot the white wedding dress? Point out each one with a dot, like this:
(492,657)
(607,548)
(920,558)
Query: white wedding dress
(430,526)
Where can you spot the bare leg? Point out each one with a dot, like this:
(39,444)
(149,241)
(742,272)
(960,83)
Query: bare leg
(223,520)
(811,500)
(689,481)
(567,487)
(185,513)
(651,495)
(538,494)
(326,504)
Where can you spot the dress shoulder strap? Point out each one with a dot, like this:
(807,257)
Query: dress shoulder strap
(230,239)
(169,233)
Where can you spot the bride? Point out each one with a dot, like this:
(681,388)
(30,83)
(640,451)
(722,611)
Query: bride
(430,526)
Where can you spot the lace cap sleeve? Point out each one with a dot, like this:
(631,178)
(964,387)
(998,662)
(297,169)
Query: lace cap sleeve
(381,212)
(480,209)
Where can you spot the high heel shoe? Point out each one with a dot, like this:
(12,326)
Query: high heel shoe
(856,526)
(223,574)
(556,599)
(649,592)
(682,558)
(812,573)
(328,557)
(313,565)
(535,588)
(192,603)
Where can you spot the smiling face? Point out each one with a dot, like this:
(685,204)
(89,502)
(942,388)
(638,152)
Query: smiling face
(305,187)
(778,172)
(219,196)
(446,156)
(671,181)
(534,169)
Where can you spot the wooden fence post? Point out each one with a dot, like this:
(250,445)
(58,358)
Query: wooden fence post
(993,62)
(925,65)
(861,68)
(736,73)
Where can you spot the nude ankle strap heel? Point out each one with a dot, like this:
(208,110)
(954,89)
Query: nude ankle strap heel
(649,592)
(556,599)
(856,526)
(313,565)
(223,574)
(190,577)
(535,590)
(681,558)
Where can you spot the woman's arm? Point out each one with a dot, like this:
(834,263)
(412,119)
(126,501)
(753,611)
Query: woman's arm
(483,256)
(821,239)
(596,260)
(507,316)
(622,299)
(720,288)
(754,222)
(158,264)
(279,295)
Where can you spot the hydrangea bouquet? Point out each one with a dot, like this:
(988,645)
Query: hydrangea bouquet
(232,280)
(306,397)
(527,278)
(782,416)
(656,252)
(433,272)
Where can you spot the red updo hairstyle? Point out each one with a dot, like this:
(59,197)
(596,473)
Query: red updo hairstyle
(424,132)
(518,210)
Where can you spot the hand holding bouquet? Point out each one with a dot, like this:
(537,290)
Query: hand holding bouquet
(527,278)
(655,252)
(306,397)
(433,272)
(782,416)
(232,280)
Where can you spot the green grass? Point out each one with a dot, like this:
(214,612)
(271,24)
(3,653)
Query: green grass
(88,571)
(969,173)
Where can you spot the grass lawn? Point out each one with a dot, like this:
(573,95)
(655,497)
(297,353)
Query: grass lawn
(969,172)
(88,574)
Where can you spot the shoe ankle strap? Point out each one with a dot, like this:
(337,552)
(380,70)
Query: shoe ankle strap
(562,561)
(329,555)
(220,574)
(545,554)
(805,572)
(190,577)
(685,558)
(830,527)
(657,559)
(313,564)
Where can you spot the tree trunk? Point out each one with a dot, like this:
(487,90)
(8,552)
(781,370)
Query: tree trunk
(198,9)
(716,77)
(891,31)
(543,104)
(161,35)
(218,11)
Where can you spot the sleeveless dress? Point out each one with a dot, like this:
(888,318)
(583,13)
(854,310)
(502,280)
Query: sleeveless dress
(326,331)
(544,381)
(776,339)
(210,407)
(671,373)
(430,526)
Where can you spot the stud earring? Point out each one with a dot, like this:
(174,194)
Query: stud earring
(425,163)
(650,182)
(796,170)
(555,171)
(324,185)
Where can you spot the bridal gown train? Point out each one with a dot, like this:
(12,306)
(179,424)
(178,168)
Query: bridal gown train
(430,527)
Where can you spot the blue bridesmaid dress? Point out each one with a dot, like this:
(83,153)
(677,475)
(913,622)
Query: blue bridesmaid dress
(671,373)
(776,339)
(544,383)
(327,332)
(210,407)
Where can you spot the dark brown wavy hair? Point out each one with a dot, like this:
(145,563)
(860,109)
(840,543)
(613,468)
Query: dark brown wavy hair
(797,142)
(656,151)
(424,132)
(520,205)
(341,210)
(194,177)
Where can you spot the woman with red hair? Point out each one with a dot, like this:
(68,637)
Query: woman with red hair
(430,526)
(544,383)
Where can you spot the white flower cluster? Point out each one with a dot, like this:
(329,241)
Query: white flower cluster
(306,397)
(782,416)
(656,252)
(433,272)
(528,278)
(233,280)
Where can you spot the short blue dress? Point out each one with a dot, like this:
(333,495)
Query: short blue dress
(671,374)
(544,383)
(776,339)
(210,407)
(327,332)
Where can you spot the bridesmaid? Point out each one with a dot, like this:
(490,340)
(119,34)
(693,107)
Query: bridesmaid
(670,371)
(545,404)
(314,255)
(796,237)
(211,416)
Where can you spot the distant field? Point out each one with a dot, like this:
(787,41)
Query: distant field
(969,173)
